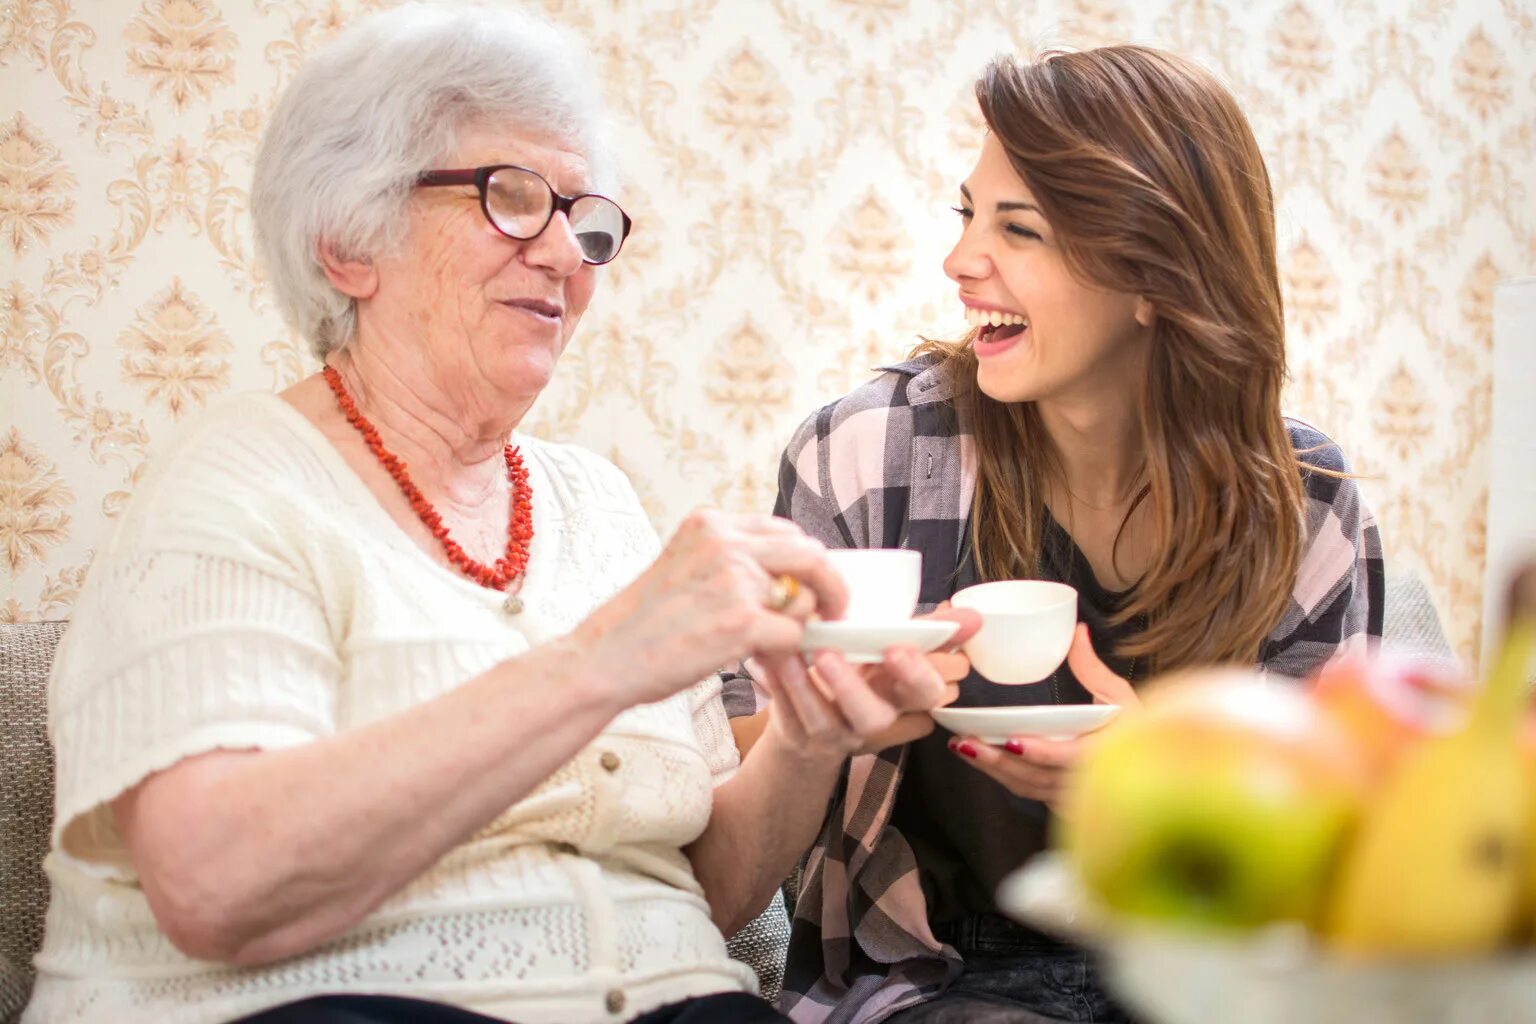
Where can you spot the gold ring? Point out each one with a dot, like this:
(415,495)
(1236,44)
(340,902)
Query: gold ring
(782,592)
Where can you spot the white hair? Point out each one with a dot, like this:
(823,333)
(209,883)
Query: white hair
(382,103)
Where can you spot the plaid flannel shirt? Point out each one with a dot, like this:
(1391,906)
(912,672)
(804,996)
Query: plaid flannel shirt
(887,466)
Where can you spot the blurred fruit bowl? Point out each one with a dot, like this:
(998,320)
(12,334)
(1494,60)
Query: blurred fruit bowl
(1275,974)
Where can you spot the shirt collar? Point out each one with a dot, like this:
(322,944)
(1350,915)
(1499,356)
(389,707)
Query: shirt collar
(927,382)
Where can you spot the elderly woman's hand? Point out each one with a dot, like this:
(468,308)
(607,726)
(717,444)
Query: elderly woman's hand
(833,708)
(704,603)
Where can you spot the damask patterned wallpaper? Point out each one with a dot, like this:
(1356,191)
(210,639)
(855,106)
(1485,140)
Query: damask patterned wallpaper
(790,165)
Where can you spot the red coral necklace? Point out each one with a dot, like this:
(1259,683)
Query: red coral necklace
(511,564)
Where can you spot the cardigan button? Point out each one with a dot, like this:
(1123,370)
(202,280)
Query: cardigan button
(614,1001)
(610,761)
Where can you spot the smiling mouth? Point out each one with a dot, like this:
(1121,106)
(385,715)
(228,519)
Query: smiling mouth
(1001,333)
(995,324)
(536,306)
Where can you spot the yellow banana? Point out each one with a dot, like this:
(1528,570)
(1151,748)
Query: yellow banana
(1530,836)
(1436,867)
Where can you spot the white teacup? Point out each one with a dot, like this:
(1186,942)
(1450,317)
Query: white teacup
(1026,628)
(882,582)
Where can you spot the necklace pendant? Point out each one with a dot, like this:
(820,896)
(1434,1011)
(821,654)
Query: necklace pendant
(513,605)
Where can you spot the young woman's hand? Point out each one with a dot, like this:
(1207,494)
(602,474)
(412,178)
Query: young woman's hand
(1098,678)
(1036,768)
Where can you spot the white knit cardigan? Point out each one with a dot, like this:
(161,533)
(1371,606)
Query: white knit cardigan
(256,595)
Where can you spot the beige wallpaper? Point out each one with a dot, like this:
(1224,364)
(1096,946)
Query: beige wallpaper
(790,164)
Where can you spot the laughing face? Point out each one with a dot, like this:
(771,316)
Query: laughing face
(1044,333)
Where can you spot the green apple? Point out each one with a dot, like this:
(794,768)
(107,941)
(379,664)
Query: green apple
(1223,803)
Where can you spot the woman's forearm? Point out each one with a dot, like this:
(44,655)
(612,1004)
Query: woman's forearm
(253,857)
(764,819)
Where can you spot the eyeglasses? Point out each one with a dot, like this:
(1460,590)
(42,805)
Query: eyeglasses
(520,204)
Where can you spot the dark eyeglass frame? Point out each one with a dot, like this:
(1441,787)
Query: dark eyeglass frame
(480,177)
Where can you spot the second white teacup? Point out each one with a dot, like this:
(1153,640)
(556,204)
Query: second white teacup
(1026,628)
(882,583)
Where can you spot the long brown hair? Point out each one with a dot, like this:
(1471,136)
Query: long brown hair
(1150,177)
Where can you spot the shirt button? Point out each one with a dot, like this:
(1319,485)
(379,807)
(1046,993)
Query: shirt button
(610,761)
(614,1001)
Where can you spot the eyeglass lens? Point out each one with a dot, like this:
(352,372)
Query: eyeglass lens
(520,203)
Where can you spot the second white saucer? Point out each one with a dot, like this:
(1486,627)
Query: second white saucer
(999,725)
(865,643)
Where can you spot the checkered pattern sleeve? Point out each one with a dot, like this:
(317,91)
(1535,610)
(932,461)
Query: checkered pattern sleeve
(806,494)
(1339,596)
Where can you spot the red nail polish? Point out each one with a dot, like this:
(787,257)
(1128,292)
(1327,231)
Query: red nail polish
(966,749)
(1014,747)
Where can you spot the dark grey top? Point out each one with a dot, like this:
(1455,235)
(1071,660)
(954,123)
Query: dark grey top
(967,831)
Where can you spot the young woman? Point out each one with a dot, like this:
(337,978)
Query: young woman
(1112,421)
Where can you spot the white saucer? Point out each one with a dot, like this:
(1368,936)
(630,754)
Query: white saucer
(864,643)
(999,725)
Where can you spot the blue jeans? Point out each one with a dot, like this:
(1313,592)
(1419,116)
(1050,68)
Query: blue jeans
(1015,976)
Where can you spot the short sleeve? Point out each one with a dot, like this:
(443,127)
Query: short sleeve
(713,729)
(196,632)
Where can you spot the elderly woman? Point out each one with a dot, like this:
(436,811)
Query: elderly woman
(374,709)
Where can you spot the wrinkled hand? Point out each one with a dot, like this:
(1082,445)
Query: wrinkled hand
(833,708)
(704,603)
(1036,768)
